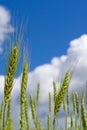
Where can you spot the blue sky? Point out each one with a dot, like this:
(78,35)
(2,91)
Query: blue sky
(51,25)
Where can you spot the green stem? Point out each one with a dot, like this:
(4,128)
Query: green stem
(4,115)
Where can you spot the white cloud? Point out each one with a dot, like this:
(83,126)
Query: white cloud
(47,73)
(5,26)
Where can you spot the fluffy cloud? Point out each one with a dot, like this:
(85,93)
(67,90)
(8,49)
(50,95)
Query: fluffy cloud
(54,71)
(5,26)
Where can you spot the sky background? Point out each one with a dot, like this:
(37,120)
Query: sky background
(56,35)
(51,25)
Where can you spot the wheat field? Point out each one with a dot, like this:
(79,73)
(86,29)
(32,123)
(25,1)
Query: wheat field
(74,120)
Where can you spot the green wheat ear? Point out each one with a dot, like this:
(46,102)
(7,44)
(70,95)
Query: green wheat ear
(38,92)
(60,96)
(12,68)
(83,113)
(77,103)
(23,96)
(55,90)
(68,101)
(74,103)
(9,79)
(24,82)
(65,105)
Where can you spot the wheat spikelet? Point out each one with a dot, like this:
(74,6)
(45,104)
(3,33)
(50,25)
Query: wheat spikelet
(61,94)
(24,83)
(26,114)
(68,101)
(64,106)
(77,104)
(74,103)
(31,99)
(83,113)
(11,73)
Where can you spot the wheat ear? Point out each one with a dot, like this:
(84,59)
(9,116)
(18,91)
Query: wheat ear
(83,113)
(68,101)
(23,96)
(27,114)
(9,78)
(61,94)
(55,90)
(74,103)
(38,92)
(77,104)
(11,73)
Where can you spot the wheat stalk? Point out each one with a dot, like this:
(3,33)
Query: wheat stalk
(50,103)
(33,110)
(9,122)
(49,122)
